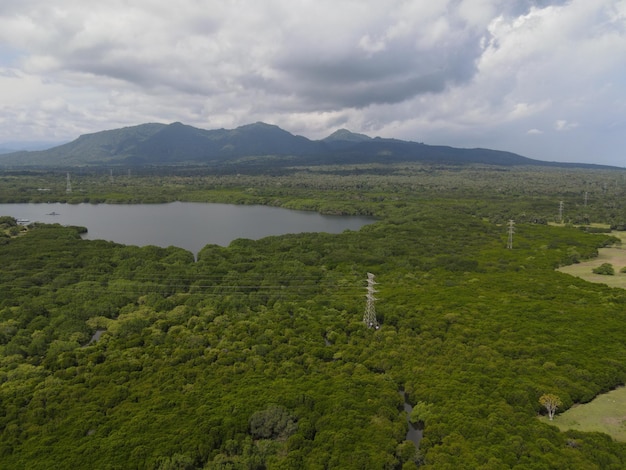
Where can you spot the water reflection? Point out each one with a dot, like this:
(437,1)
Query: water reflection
(185,224)
(416,431)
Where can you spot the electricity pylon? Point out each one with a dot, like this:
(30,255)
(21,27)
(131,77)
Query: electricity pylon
(369,317)
(68,187)
(509,243)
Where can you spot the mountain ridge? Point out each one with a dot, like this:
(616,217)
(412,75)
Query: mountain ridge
(265,144)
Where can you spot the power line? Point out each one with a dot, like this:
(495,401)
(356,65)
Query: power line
(199,289)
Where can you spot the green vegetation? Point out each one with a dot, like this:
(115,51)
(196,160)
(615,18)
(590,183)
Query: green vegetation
(606,269)
(253,146)
(550,403)
(9,228)
(255,356)
(615,255)
(605,413)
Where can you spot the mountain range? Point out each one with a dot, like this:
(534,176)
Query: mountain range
(156,144)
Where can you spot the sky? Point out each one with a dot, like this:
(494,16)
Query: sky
(542,78)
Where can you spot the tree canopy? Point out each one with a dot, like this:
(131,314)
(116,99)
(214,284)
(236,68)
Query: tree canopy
(256,356)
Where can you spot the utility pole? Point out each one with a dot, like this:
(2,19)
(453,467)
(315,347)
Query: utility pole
(586,198)
(561,211)
(111,176)
(509,243)
(68,186)
(369,317)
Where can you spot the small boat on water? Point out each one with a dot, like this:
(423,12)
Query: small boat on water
(53,213)
(22,221)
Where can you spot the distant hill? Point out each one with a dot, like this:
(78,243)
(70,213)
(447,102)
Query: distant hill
(89,149)
(343,140)
(13,147)
(263,144)
(178,143)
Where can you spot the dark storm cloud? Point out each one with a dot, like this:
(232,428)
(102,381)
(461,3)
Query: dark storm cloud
(528,73)
(359,84)
(399,71)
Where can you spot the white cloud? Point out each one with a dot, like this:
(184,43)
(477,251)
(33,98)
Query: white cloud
(370,45)
(458,72)
(478,13)
(563,125)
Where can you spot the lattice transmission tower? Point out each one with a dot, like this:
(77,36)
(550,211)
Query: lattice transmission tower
(509,243)
(68,186)
(369,317)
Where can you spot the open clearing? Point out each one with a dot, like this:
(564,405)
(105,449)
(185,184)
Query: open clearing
(605,413)
(616,255)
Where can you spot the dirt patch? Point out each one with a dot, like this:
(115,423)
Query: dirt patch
(614,421)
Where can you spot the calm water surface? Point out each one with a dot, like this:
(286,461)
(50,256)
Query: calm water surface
(415,432)
(188,225)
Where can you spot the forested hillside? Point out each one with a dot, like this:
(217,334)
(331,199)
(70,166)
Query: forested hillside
(255,356)
(266,145)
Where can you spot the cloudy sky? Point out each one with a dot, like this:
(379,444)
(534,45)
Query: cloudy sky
(542,78)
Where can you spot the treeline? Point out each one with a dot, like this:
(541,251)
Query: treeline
(255,356)
(525,194)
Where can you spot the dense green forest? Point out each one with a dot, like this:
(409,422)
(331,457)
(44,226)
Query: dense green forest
(255,356)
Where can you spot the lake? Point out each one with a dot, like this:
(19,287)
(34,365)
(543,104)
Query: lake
(188,225)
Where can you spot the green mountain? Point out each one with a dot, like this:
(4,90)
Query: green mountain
(177,143)
(344,135)
(89,149)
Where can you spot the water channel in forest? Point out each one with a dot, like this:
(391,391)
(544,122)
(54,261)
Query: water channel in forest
(416,431)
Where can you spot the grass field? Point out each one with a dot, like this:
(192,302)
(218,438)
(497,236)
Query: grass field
(616,255)
(606,413)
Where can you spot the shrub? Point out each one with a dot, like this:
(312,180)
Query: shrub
(272,423)
(605,269)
